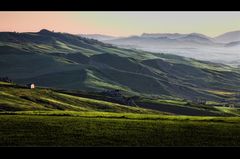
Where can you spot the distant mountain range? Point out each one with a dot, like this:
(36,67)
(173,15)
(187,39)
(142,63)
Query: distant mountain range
(228,37)
(223,48)
(71,62)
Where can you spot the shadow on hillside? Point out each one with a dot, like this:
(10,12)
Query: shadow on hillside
(177,109)
(6,107)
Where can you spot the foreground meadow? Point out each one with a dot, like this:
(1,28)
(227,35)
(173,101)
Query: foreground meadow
(60,128)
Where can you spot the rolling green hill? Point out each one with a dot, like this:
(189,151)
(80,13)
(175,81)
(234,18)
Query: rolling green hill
(65,61)
(16,98)
(19,98)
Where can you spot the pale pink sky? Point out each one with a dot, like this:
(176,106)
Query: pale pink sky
(121,23)
(35,21)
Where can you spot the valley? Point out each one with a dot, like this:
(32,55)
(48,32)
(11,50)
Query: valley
(220,49)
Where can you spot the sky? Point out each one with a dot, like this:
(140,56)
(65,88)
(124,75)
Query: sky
(121,23)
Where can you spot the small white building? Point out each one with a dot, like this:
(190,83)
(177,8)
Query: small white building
(31,86)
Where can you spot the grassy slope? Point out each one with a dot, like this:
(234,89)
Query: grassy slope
(17,98)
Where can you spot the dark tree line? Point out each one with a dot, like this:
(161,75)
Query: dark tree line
(5,79)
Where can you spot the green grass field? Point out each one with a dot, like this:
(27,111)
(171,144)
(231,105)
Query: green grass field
(115,129)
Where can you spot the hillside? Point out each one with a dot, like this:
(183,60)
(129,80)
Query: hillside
(19,98)
(15,98)
(65,61)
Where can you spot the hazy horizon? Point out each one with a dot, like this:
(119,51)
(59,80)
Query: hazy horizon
(121,23)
